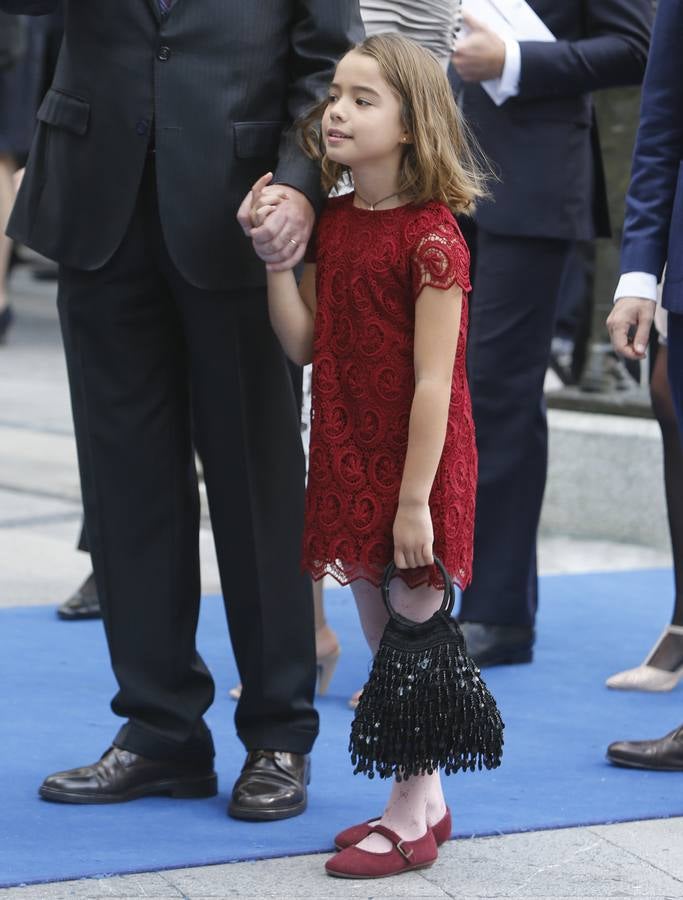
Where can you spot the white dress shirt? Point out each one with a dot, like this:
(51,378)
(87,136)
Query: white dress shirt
(501,89)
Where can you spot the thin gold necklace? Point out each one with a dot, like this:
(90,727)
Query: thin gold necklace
(371,206)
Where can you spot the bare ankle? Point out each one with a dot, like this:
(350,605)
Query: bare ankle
(436,810)
(325,641)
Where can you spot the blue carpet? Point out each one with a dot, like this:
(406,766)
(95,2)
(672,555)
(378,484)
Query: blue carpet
(54,714)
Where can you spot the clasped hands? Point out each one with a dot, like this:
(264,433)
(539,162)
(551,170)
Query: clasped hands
(279,220)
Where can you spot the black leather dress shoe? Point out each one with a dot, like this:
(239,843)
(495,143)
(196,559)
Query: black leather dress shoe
(83,604)
(272,785)
(663,754)
(498,645)
(121,775)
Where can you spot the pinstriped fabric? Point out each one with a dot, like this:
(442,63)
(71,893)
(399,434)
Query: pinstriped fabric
(254,65)
(165,5)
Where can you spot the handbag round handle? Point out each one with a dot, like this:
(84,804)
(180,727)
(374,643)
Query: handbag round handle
(447,603)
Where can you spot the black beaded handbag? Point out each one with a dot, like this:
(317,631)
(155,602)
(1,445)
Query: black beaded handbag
(425,706)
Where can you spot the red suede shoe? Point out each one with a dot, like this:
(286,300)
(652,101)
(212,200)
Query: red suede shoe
(404,856)
(355,833)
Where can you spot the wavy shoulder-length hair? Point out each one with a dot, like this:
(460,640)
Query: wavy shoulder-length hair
(443,162)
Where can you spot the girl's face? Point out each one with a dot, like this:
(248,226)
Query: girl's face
(362,122)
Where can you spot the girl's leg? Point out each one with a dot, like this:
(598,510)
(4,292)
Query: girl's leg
(326,642)
(418,801)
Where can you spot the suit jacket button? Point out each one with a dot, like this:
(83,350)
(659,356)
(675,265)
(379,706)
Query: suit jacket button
(164,54)
(142,127)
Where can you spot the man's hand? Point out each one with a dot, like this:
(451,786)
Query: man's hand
(280,240)
(480,55)
(629,326)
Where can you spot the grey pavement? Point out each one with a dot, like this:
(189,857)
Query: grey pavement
(582,531)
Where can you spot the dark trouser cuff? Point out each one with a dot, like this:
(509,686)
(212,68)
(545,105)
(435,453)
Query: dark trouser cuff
(278,739)
(146,742)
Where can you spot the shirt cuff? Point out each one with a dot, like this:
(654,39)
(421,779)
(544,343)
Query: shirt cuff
(512,69)
(637,284)
(501,89)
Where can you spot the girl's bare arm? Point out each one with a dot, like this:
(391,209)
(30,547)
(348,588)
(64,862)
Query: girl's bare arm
(437,325)
(292,312)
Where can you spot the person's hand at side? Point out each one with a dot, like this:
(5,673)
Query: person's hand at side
(629,326)
(479,55)
(413,536)
(286,219)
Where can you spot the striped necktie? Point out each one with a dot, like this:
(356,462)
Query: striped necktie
(164,6)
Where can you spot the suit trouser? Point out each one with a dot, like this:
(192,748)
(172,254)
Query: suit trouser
(143,345)
(516,286)
(675,363)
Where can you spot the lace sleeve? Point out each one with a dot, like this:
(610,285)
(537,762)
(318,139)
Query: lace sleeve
(440,259)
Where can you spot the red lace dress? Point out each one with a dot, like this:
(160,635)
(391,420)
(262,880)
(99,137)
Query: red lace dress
(371,267)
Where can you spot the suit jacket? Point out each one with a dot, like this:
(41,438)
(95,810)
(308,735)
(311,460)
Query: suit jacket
(653,230)
(543,143)
(215,84)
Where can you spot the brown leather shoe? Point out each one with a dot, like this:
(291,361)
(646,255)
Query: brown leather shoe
(272,785)
(663,755)
(121,775)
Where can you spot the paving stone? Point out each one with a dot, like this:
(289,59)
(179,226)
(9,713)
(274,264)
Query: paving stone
(659,844)
(127,887)
(300,877)
(549,865)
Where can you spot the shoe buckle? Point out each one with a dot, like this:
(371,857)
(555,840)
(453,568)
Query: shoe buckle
(406,854)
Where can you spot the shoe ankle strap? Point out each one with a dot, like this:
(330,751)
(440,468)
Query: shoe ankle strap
(396,839)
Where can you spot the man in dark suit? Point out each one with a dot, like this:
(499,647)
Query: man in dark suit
(542,144)
(653,238)
(160,116)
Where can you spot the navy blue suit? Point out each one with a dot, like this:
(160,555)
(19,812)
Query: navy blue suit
(544,145)
(653,230)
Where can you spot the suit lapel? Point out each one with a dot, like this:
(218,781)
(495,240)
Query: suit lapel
(154,6)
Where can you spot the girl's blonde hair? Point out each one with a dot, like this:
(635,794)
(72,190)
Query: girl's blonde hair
(443,162)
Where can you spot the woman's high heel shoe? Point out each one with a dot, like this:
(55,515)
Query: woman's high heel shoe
(646,677)
(326,665)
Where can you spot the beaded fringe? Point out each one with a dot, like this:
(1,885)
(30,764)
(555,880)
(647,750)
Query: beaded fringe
(424,710)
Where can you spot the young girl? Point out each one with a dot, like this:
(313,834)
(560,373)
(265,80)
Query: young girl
(381,311)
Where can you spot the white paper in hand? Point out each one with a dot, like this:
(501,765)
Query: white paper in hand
(509,19)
